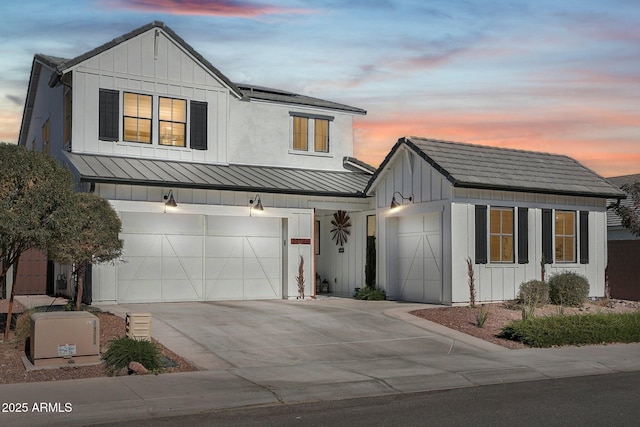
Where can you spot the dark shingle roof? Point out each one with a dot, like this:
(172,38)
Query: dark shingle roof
(276,95)
(136,171)
(476,166)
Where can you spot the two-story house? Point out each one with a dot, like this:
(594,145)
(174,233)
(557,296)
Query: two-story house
(252,173)
(223,188)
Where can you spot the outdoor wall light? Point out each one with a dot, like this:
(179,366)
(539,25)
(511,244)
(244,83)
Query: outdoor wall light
(395,203)
(170,201)
(256,203)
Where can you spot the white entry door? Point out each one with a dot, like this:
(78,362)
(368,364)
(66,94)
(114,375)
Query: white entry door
(419,258)
(176,257)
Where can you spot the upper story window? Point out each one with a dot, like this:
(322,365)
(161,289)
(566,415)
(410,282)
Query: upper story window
(300,133)
(565,236)
(501,234)
(310,127)
(321,138)
(137,117)
(172,122)
(174,117)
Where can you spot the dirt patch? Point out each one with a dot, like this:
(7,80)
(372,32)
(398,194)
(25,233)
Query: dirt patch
(111,326)
(463,319)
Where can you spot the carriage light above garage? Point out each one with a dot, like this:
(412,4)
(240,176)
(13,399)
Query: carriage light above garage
(256,203)
(394,202)
(170,201)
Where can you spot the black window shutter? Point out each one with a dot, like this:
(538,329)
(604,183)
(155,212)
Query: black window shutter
(547,236)
(584,237)
(109,115)
(198,125)
(523,236)
(481,234)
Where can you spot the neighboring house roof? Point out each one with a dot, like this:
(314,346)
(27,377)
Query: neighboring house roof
(276,95)
(135,171)
(613,220)
(482,167)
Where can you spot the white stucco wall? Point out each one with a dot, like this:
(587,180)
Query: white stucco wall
(262,133)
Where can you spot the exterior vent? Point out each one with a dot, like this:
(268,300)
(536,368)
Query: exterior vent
(64,337)
(139,326)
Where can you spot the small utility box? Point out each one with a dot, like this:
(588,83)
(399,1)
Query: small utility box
(139,326)
(64,337)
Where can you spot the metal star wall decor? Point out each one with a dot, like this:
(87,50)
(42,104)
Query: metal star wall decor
(341,227)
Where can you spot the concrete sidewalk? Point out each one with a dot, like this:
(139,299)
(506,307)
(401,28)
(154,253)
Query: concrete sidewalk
(253,369)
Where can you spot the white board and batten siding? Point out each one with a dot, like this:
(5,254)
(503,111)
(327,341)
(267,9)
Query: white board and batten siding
(134,66)
(414,257)
(501,281)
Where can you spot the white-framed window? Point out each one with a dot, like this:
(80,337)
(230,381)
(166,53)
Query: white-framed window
(501,234)
(565,236)
(310,133)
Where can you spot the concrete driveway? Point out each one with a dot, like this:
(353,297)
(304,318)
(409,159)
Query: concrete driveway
(250,334)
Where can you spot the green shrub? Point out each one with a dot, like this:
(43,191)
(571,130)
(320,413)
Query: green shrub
(124,350)
(568,289)
(598,328)
(23,324)
(534,293)
(371,294)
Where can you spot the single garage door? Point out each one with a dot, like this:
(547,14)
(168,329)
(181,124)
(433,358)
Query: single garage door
(419,258)
(178,257)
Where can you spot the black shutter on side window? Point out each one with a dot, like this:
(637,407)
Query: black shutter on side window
(198,125)
(481,234)
(584,237)
(108,115)
(523,236)
(547,236)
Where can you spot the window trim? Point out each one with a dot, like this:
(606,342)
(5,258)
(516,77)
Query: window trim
(311,134)
(172,122)
(46,136)
(573,237)
(137,118)
(501,235)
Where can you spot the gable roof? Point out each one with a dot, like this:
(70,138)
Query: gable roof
(65,64)
(261,179)
(483,167)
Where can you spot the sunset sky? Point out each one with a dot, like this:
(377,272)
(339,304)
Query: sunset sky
(560,76)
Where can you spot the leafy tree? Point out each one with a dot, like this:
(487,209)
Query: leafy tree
(33,189)
(630,215)
(90,236)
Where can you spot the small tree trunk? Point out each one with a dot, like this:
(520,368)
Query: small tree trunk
(80,272)
(13,292)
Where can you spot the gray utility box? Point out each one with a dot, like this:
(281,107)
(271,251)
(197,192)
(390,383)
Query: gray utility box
(63,337)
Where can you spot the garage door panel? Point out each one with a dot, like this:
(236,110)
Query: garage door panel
(419,258)
(262,247)
(139,290)
(261,288)
(232,269)
(182,257)
(412,290)
(182,246)
(139,268)
(224,289)
(223,246)
(181,290)
(142,245)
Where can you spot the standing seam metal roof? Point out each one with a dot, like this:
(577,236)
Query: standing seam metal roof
(134,171)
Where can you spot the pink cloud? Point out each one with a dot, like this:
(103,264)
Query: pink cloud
(229,8)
